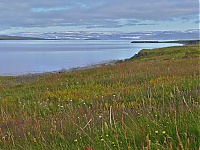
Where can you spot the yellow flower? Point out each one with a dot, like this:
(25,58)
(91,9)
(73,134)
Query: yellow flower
(156,132)
(106,135)
(34,140)
(102,140)
(75,140)
(29,133)
(163,132)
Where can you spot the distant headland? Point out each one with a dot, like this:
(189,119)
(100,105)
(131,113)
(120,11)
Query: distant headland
(185,42)
(19,38)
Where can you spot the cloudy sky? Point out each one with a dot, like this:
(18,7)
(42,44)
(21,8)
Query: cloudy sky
(98,15)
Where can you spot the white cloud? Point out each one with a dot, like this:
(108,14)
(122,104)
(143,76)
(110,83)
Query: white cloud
(93,14)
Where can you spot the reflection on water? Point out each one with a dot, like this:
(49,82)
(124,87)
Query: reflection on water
(22,57)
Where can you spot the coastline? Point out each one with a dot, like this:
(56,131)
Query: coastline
(185,42)
(106,63)
(19,38)
(165,82)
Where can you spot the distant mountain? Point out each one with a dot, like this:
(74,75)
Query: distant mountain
(85,35)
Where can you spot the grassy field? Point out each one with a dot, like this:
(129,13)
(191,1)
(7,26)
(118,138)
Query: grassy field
(149,102)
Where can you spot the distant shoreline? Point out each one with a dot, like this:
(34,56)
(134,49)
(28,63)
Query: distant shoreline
(19,38)
(185,42)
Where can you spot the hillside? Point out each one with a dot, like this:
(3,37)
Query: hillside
(148,102)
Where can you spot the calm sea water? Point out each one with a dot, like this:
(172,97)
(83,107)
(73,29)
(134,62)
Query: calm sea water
(24,57)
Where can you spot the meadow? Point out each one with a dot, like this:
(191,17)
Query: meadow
(149,102)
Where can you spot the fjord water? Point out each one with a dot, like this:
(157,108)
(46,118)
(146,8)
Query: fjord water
(18,57)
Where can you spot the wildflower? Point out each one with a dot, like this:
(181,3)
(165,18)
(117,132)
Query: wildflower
(29,133)
(34,140)
(75,140)
(102,140)
(149,132)
(113,143)
(106,135)
(88,148)
(163,132)
(156,132)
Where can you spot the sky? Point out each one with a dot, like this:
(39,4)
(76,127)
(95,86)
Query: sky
(98,15)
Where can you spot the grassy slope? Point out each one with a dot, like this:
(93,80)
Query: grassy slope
(148,102)
(175,52)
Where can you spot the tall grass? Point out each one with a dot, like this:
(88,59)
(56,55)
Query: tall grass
(144,103)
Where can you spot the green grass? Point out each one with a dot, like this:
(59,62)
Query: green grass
(176,52)
(151,102)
